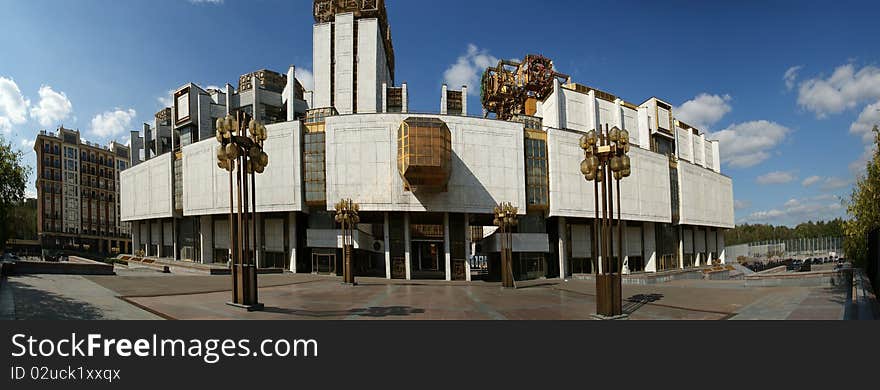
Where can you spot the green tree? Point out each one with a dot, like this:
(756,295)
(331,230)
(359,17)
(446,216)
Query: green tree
(864,208)
(13,180)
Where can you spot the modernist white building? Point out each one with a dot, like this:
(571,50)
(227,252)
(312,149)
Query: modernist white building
(354,137)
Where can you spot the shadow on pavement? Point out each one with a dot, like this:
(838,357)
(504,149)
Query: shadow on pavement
(34,304)
(636,302)
(377,312)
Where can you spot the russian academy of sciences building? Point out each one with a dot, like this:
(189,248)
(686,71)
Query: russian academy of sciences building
(354,137)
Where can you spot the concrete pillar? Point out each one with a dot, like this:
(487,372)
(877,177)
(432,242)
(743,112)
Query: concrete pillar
(160,247)
(175,230)
(229,92)
(650,248)
(135,237)
(291,239)
(291,93)
(464,90)
(446,250)
(467,247)
(385,103)
(681,247)
(624,256)
(443,101)
(407,246)
(405,99)
(563,252)
(722,251)
(206,239)
(387,246)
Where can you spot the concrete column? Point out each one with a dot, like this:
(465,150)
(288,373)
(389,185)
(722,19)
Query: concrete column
(593,110)
(443,101)
(160,248)
(650,249)
(135,237)
(385,103)
(722,251)
(464,90)
(446,253)
(291,93)
(175,230)
(229,92)
(563,253)
(407,246)
(387,231)
(405,99)
(467,247)
(291,239)
(206,239)
(681,247)
(624,256)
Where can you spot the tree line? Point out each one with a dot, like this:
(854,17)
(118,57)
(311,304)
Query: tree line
(748,233)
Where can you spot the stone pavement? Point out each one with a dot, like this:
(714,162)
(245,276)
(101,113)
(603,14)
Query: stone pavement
(67,297)
(140,294)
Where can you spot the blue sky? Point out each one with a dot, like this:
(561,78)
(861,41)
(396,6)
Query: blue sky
(789,87)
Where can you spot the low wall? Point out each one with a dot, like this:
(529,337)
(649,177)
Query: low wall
(75,266)
(643,279)
(800,279)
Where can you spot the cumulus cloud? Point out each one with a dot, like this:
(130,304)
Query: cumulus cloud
(777,177)
(704,110)
(468,69)
(306,78)
(53,107)
(741,204)
(858,167)
(810,181)
(846,88)
(864,125)
(748,144)
(165,100)
(795,211)
(112,123)
(835,183)
(791,76)
(13,105)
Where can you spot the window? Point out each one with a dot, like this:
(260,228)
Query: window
(537,191)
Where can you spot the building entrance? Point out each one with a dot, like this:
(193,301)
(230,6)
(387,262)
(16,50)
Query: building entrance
(428,257)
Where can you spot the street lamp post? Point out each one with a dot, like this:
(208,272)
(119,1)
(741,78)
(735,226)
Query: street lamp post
(241,154)
(506,219)
(347,216)
(605,159)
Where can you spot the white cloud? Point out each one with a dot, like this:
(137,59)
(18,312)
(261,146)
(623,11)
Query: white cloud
(741,204)
(858,167)
(306,78)
(27,144)
(704,110)
(810,181)
(777,177)
(112,123)
(864,125)
(165,100)
(13,105)
(846,88)
(468,69)
(795,211)
(748,144)
(835,183)
(791,76)
(53,107)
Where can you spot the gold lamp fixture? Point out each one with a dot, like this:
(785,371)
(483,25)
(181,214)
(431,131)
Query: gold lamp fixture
(606,159)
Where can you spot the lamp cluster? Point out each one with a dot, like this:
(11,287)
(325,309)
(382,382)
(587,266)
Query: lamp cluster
(237,141)
(505,215)
(605,148)
(347,212)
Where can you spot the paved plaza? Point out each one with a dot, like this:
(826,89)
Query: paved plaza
(142,294)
